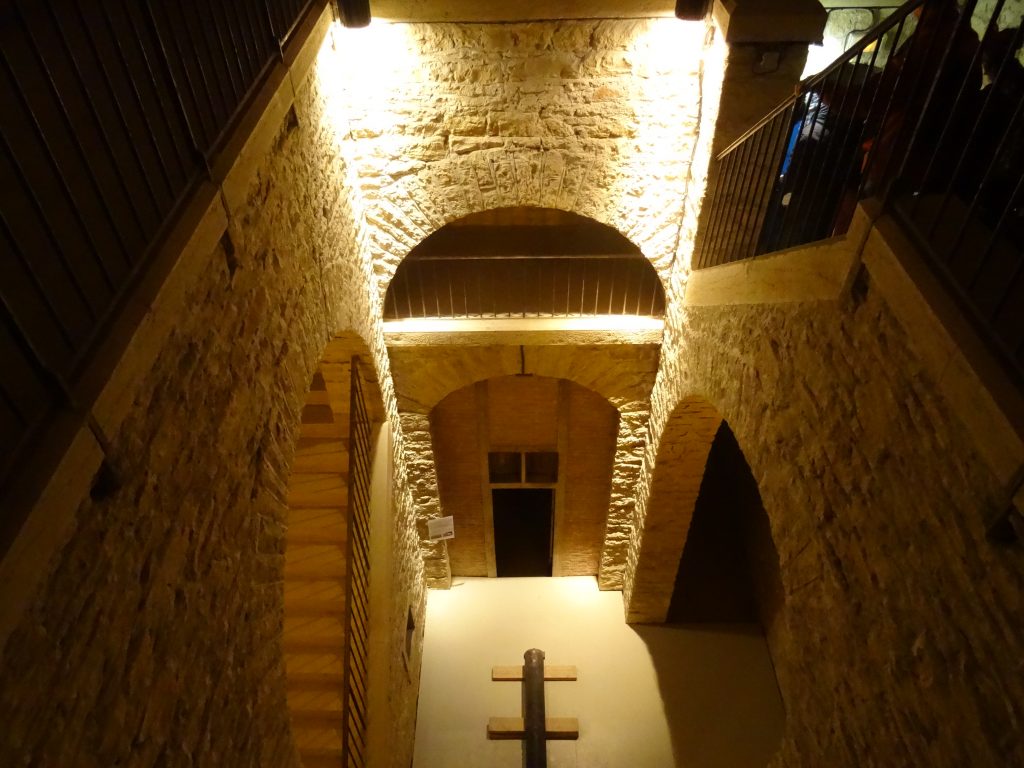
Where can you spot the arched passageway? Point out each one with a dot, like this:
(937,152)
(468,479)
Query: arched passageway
(703,547)
(516,442)
(729,569)
(710,569)
(327,559)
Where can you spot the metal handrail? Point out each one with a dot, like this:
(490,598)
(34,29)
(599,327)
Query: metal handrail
(871,37)
(944,154)
(524,287)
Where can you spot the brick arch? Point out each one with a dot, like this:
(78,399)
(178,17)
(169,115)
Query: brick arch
(318,554)
(575,180)
(664,508)
(532,413)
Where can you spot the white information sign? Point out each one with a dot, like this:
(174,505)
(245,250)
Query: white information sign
(441,528)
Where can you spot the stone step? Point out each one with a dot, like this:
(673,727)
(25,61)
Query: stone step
(326,630)
(316,490)
(317,526)
(314,562)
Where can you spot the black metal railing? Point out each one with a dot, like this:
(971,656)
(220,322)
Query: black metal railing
(112,113)
(531,286)
(357,574)
(904,116)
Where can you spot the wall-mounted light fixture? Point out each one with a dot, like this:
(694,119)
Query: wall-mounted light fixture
(353,13)
(691,10)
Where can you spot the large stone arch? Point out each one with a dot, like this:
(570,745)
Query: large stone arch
(460,131)
(562,178)
(624,378)
(665,507)
(536,177)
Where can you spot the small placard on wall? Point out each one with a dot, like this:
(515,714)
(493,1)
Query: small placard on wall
(441,528)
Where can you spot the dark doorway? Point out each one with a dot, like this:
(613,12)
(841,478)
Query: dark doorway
(522,530)
(729,570)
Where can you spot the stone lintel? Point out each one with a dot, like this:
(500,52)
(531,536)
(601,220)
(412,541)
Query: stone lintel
(770,21)
(524,331)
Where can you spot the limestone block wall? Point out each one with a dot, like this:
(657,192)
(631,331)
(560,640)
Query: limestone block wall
(593,117)
(624,374)
(897,641)
(422,478)
(154,634)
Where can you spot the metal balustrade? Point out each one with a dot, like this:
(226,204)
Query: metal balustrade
(903,115)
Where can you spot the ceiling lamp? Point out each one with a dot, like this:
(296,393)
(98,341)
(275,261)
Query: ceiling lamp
(353,13)
(691,10)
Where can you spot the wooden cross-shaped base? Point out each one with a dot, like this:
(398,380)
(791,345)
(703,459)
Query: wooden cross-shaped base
(555,728)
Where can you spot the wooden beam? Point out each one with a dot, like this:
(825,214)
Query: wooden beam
(515,674)
(555,728)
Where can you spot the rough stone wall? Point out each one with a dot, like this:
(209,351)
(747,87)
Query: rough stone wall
(898,640)
(422,477)
(626,467)
(593,117)
(362,309)
(593,429)
(1010,15)
(155,637)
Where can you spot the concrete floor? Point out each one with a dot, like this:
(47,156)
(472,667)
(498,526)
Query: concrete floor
(646,697)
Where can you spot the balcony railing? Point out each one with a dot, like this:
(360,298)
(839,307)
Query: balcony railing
(112,112)
(902,115)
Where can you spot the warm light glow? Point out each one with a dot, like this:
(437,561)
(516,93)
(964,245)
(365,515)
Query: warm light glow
(358,70)
(669,99)
(715,51)
(820,56)
(398,99)
(469,325)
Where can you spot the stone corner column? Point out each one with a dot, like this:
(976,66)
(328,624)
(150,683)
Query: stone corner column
(769,21)
(767,48)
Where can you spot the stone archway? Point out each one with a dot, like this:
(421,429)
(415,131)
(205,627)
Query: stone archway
(729,569)
(327,597)
(569,429)
(664,511)
(620,366)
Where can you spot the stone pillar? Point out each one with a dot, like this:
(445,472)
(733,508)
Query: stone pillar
(422,479)
(767,41)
